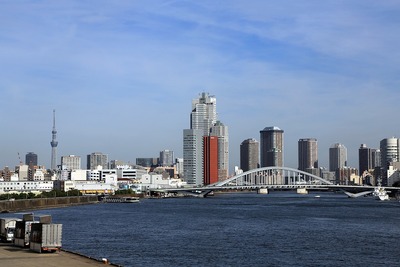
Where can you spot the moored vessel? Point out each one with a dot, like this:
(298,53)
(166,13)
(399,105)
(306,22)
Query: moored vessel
(109,199)
(380,193)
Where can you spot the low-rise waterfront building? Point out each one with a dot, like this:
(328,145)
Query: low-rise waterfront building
(134,173)
(156,181)
(25,186)
(78,175)
(39,175)
(107,186)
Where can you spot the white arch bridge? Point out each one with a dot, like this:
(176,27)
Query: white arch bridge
(278,178)
(269,176)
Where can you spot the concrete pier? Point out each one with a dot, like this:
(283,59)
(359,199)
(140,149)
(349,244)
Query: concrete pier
(11,256)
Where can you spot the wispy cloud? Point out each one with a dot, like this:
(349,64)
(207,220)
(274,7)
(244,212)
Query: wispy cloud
(327,69)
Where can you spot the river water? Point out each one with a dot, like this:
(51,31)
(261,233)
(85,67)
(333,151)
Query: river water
(240,229)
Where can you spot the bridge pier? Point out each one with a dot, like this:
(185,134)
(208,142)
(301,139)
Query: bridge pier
(262,191)
(302,191)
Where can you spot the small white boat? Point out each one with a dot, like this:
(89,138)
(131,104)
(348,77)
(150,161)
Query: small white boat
(380,193)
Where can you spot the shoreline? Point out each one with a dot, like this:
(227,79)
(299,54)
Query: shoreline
(11,255)
(7,206)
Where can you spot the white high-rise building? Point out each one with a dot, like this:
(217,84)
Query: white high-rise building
(204,113)
(390,152)
(202,117)
(203,122)
(390,148)
(193,156)
(71,162)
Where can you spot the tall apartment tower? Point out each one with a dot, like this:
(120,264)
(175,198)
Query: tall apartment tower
(390,148)
(71,162)
(249,154)
(166,157)
(203,119)
(210,169)
(271,147)
(337,157)
(390,152)
(54,144)
(97,159)
(308,154)
(366,159)
(193,156)
(31,159)
(221,132)
(376,157)
(204,113)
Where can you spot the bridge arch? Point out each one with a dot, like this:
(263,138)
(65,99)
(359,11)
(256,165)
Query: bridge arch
(273,176)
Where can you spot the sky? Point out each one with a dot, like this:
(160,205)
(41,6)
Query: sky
(121,75)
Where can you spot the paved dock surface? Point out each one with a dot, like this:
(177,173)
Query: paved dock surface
(11,256)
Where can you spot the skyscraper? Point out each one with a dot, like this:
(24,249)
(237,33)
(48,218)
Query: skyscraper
(390,148)
(271,147)
(97,159)
(54,144)
(31,159)
(166,157)
(71,162)
(221,132)
(308,154)
(204,113)
(203,121)
(376,157)
(249,154)
(210,144)
(390,152)
(193,156)
(337,157)
(366,160)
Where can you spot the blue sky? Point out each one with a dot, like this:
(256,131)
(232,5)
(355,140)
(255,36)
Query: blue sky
(121,74)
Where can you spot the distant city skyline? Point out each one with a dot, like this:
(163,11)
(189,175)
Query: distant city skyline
(331,153)
(121,75)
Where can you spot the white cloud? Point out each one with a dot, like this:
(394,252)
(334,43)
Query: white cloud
(325,69)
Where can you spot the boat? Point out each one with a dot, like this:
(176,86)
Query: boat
(120,200)
(380,193)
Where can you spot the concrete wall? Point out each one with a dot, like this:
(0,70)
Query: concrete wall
(42,203)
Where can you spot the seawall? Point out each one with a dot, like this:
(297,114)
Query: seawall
(44,203)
